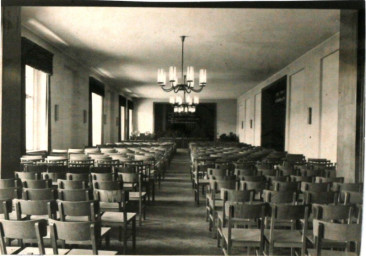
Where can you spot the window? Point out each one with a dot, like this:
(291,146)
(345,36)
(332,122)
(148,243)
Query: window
(96,97)
(123,122)
(36,109)
(130,126)
(97,113)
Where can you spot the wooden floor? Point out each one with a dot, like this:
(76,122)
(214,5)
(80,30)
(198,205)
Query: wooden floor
(174,225)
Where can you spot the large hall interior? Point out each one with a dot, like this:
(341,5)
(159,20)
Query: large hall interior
(186,128)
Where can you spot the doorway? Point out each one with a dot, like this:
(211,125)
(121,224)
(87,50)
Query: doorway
(274,115)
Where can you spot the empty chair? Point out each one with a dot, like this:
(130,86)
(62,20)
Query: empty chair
(324,230)
(257,186)
(78,176)
(285,238)
(240,213)
(33,230)
(114,202)
(279,197)
(53,176)
(351,197)
(356,187)
(103,177)
(108,185)
(319,179)
(89,233)
(328,197)
(9,193)
(10,183)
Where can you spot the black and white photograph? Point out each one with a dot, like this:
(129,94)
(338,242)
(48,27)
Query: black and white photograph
(182,127)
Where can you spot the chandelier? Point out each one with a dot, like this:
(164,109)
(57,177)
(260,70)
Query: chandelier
(185,105)
(187,82)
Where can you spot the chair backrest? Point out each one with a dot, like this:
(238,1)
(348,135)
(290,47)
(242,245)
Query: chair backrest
(98,169)
(10,183)
(251,178)
(351,197)
(25,229)
(300,178)
(234,195)
(39,194)
(78,176)
(279,197)
(336,232)
(257,186)
(289,212)
(9,193)
(35,207)
(128,177)
(87,232)
(356,187)
(245,211)
(213,172)
(108,185)
(103,176)
(37,183)
(57,169)
(328,197)
(74,194)
(319,179)
(217,185)
(332,212)
(286,186)
(89,209)
(28,175)
(53,175)
(79,170)
(315,187)
(71,184)
(245,172)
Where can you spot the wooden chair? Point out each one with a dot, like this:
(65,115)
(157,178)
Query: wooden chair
(74,195)
(71,184)
(33,230)
(114,203)
(89,233)
(279,197)
(257,186)
(38,184)
(335,232)
(39,194)
(300,178)
(355,187)
(108,185)
(103,176)
(139,195)
(53,176)
(328,197)
(240,213)
(199,180)
(214,200)
(251,178)
(333,213)
(79,177)
(286,238)
(351,197)
(245,172)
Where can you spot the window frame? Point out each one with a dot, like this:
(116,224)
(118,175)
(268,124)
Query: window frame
(96,87)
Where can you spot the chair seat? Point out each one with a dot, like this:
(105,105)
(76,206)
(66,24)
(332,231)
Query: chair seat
(76,218)
(129,185)
(117,216)
(48,251)
(135,195)
(312,252)
(284,237)
(326,243)
(12,249)
(90,252)
(242,235)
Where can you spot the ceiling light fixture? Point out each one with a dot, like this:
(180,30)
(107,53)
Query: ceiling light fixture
(185,105)
(187,82)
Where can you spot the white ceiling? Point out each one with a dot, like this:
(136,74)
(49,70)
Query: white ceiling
(238,47)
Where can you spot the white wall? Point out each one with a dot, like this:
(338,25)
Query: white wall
(225,114)
(69,87)
(312,81)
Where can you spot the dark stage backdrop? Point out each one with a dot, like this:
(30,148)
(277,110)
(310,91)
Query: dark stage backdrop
(201,124)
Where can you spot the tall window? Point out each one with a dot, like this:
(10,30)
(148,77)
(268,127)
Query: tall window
(97,112)
(122,118)
(129,118)
(130,125)
(36,109)
(123,122)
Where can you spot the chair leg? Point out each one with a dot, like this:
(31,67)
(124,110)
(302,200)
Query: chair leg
(125,239)
(134,234)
